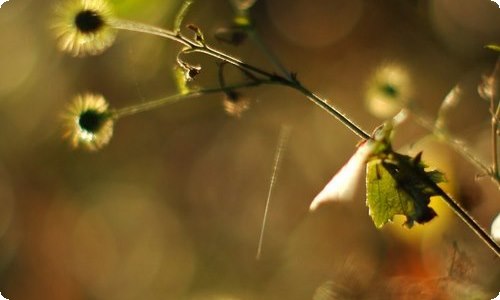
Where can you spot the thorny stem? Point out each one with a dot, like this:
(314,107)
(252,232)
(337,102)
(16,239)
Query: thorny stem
(292,82)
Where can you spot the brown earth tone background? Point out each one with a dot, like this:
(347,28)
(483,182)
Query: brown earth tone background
(172,207)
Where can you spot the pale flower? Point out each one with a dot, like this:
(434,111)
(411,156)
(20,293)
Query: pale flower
(343,185)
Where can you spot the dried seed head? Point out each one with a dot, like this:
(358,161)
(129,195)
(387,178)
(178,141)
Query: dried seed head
(191,72)
(83,27)
(88,122)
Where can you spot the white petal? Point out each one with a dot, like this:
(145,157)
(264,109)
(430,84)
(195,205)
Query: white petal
(343,185)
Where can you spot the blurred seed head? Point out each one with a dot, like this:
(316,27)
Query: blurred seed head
(235,104)
(488,87)
(88,122)
(388,90)
(83,27)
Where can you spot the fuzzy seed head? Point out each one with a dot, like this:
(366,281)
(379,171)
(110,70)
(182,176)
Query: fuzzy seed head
(235,104)
(83,27)
(88,122)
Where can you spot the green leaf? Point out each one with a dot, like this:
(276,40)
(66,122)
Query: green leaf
(398,184)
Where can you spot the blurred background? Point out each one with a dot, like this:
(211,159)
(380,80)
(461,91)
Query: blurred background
(172,207)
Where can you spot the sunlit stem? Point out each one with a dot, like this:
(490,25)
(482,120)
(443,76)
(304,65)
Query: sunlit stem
(293,84)
(193,46)
(332,111)
(272,78)
(181,15)
(150,105)
(145,28)
(236,62)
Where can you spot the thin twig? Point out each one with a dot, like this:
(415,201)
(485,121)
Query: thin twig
(331,110)
(466,217)
(146,106)
(495,115)
(452,142)
(271,78)
(145,28)
(181,14)
(269,54)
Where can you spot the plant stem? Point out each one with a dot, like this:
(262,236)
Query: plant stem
(494,141)
(269,54)
(292,82)
(145,28)
(192,46)
(181,15)
(495,133)
(467,218)
(356,129)
(453,143)
(296,85)
(146,106)
(495,115)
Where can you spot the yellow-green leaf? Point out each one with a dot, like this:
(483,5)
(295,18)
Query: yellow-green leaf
(398,184)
